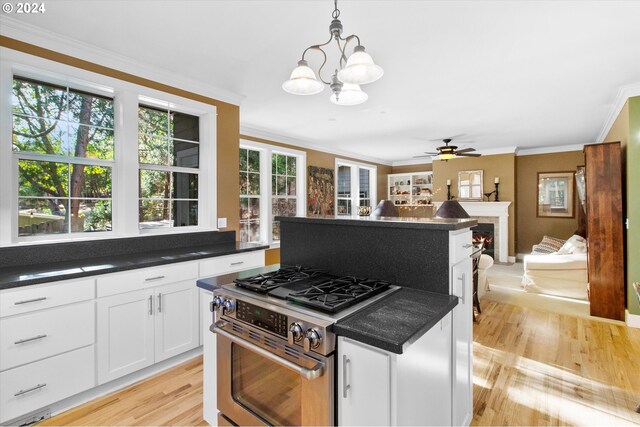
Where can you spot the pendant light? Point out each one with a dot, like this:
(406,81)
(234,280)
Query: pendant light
(349,74)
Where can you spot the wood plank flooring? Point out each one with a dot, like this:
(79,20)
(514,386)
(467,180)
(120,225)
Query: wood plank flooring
(531,367)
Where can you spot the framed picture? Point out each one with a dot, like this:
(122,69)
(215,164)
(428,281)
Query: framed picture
(556,195)
(320,191)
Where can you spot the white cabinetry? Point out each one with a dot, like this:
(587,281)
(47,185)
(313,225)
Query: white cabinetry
(137,329)
(46,345)
(209,385)
(461,285)
(376,387)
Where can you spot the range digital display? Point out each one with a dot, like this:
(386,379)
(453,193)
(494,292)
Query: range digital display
(262,318)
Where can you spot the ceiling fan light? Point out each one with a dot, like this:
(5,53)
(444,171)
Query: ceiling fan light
(446,156)
(349,95)
(303,81)
(360,68)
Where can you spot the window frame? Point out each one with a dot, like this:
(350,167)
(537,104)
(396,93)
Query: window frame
(126,96)
(355,184)
(266,196)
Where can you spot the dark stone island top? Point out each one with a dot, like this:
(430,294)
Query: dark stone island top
(382,221)
(33,264)
(395,322)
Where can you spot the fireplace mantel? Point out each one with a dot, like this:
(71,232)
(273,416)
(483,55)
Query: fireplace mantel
(499,210)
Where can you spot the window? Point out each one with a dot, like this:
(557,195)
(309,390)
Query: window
(269,187)
(168,153)
(356,185)
(63,140)
(249,195)
(85,156)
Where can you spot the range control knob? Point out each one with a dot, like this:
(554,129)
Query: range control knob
(216,304)
(295,333)
(229,306)
(312,339)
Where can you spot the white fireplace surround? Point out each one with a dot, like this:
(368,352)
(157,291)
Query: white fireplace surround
(498,210)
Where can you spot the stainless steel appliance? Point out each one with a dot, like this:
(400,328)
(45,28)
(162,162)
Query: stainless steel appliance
(275,346)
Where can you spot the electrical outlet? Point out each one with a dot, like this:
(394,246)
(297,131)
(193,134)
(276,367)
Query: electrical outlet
(222,222)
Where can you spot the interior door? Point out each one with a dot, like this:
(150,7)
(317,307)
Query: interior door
(125,334)
(462,399)
(176,322)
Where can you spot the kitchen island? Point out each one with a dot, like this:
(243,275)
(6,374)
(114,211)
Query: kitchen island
(370,318)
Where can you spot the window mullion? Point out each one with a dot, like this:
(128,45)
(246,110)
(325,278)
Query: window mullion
(266,214)
(8,166)
(125,173)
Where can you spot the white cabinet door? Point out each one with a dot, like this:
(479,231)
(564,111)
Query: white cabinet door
(462,286)
(176,322)
(125,334)
(209,383)
(364,385)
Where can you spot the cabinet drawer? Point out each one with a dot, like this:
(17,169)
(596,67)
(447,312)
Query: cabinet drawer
(146,278)
(34,336)
(231,263)
(36,297)
(42,383)
(460,246)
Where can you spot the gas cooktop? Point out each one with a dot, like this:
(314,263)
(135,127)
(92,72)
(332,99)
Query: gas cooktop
(313,288)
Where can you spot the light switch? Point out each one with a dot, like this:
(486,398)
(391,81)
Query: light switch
(222,222)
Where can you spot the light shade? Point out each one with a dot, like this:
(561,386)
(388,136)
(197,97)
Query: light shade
(303,81)
(451,209)
(446,156)
(349,95)
(360,68)
(386,208)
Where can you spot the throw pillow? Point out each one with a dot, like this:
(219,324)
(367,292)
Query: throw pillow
(575,245)
(550,244)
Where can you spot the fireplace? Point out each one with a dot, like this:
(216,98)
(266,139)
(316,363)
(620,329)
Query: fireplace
(484,232)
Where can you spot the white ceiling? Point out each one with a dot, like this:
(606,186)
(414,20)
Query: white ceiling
(505,74)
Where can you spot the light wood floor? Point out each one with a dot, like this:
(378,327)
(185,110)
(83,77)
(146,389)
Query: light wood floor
(531,367)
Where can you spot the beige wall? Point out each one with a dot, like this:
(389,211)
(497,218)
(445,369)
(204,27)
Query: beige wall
(500,165)
(423,167)
(531,229)
(620,129)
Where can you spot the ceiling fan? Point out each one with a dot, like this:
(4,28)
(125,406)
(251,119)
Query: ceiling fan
(446,151)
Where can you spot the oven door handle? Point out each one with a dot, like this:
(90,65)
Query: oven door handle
(308,374)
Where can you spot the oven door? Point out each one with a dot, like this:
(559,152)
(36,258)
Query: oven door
(257,386)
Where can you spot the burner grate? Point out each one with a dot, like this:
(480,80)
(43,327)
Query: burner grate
(337,294)
(263,283)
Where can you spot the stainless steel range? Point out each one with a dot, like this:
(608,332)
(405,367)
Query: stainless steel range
(275,347)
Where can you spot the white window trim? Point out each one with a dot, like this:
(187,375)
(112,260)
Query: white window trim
(266,151)
(126,96)
(355,183)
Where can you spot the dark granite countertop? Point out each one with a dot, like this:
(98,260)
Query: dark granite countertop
(212,283)
(393,323)
(394,222)
(24,275)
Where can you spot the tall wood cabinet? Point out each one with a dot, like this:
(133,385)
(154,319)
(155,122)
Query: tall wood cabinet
(605,228)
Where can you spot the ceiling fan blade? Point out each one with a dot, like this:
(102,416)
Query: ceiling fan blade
(468,154)
(423,156)
(465,150)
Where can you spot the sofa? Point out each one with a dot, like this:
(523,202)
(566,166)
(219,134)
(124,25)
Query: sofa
(560,273)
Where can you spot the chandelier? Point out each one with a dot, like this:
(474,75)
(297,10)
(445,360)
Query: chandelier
(358,69)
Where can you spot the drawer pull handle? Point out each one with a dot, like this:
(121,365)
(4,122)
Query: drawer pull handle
(159,303)
(27,301)
(237,263)
(38,387)
(150,305)
(467,246)
(39,337)
(148,279)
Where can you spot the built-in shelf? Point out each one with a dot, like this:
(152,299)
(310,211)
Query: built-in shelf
(410,189)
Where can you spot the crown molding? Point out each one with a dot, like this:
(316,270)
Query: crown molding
(269,136)
(548,150)
(28,33)
(624,93)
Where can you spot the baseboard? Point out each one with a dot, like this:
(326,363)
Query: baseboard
(632,320)
(511,259)
(520,256)
(110,387)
